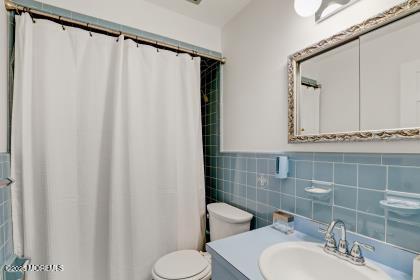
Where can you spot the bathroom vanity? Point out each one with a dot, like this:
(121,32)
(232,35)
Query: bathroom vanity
(238,257)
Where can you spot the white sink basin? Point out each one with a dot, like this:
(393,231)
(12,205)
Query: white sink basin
(308,261)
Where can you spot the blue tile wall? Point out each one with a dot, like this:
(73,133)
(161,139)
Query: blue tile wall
(358,188)
(6,242)
(246,180)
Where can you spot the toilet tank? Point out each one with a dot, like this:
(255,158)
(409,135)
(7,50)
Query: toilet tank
(226,220)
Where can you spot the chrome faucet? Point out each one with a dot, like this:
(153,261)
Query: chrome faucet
(330,244)
(355,256)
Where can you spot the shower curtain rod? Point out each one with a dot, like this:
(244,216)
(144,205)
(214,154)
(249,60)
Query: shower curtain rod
(11,6)
(309,82)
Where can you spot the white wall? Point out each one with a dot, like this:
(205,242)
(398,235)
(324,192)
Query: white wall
(148,17)
(3,80)
(257,43)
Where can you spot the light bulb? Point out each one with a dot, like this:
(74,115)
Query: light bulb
(307,8)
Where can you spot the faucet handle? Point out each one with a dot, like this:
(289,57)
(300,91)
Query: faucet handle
(364,245)
(328,235)
(356,252)
(329,238)
(368,247)
(322,230)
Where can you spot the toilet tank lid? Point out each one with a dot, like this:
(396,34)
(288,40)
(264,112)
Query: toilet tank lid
(229,213)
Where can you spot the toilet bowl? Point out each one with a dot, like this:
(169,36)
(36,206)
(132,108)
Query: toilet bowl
(225,220)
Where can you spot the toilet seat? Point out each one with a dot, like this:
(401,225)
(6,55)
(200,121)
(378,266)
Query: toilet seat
(184,264)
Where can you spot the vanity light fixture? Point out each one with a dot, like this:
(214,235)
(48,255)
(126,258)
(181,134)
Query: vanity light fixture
(331,7)
(197,2)
(322,9)
(307,8)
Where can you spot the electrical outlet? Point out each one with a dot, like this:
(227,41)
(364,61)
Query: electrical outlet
(262,181)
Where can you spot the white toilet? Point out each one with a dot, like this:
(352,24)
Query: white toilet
(225,220)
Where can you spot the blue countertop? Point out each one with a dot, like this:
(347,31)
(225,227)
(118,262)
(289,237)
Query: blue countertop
(243,250)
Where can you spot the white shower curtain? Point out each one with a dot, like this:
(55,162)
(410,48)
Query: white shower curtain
(106,151)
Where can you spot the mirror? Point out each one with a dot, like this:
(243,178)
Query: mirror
(390,76)
(361,84)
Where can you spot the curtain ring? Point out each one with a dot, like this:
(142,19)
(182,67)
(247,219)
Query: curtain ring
(177,51)
(118,38)
(90,33)
(17,11)
(157,46)
(30,14)
(62,25)
(137,41)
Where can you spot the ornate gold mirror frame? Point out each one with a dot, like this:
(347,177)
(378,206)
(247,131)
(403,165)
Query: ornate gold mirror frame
(402,10)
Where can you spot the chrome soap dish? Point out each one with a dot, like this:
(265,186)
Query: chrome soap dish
(403,204)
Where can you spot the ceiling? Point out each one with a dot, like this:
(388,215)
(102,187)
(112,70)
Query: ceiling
(213,12)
